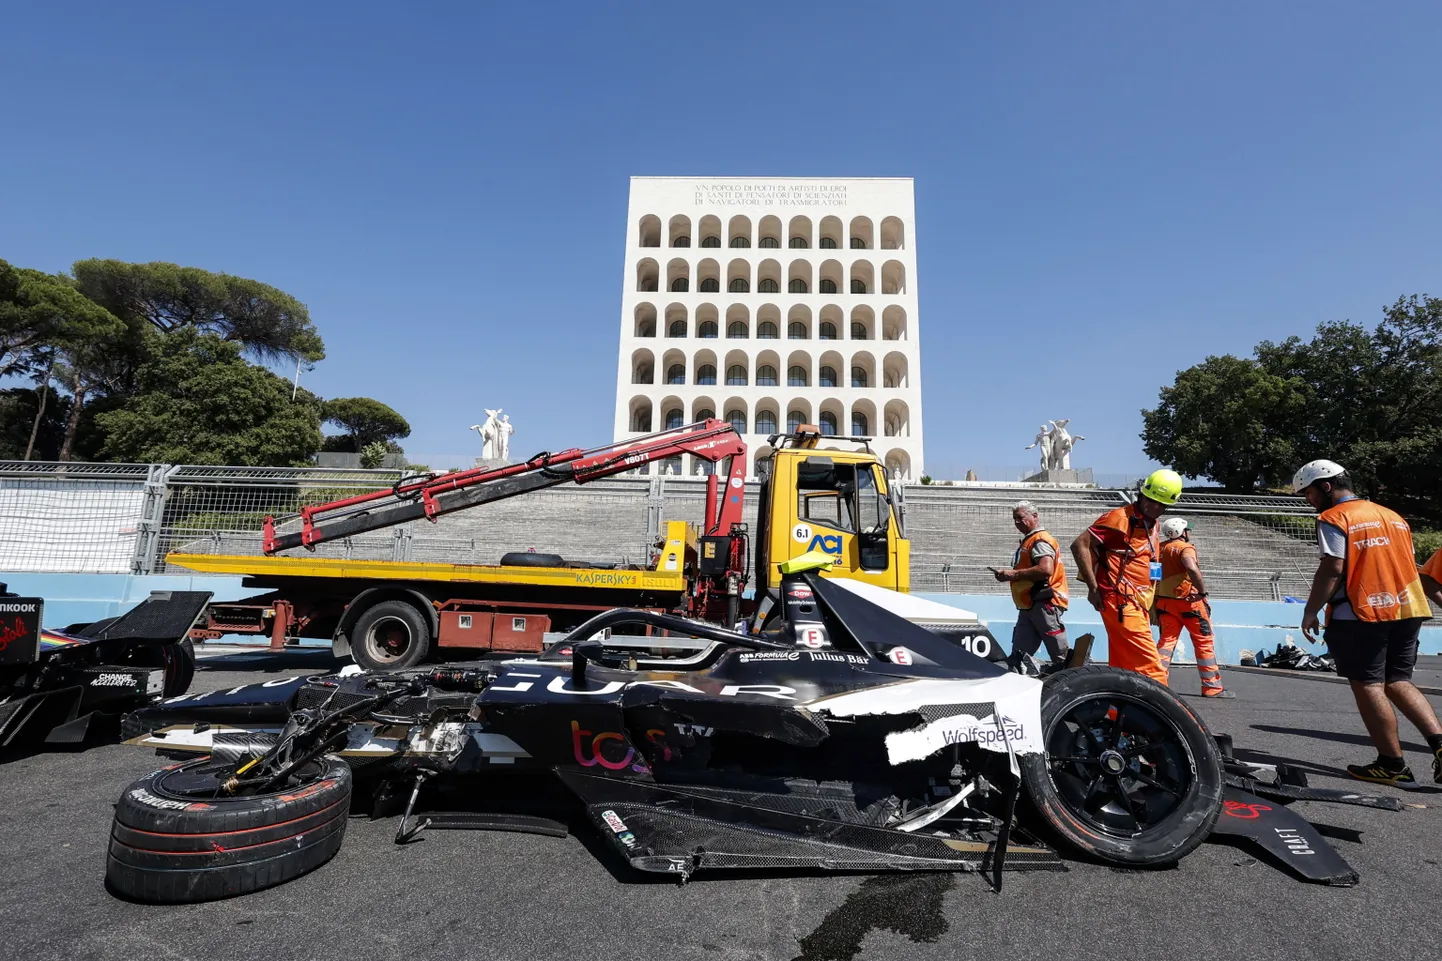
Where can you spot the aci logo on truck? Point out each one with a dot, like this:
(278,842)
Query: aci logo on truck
(826,543)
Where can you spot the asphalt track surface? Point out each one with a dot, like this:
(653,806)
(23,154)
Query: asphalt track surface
(479,895)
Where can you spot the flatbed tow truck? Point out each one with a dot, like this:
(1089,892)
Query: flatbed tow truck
(390,615)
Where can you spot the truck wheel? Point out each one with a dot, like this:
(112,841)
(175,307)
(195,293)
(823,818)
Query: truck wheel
(1130,776)
(391,636)
(175,839)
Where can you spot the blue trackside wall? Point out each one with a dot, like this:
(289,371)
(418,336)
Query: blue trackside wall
(1239,625)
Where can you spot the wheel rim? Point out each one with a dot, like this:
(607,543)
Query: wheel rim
(388,639)
(1118,764)
(204,780)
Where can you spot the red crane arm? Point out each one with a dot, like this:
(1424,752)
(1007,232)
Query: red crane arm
(431,496)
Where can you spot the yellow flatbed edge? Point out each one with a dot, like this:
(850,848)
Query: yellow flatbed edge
(260,566)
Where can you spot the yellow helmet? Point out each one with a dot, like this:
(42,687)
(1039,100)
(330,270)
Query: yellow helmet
(1163,486)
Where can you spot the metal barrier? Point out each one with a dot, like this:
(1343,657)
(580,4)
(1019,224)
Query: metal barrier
(125,518)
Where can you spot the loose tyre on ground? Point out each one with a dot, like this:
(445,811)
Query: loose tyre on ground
(176,839)
(391,636)
(1130,775)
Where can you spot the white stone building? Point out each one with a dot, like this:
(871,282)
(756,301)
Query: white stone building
(772,302)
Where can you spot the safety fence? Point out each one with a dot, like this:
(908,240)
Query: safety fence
(125,518)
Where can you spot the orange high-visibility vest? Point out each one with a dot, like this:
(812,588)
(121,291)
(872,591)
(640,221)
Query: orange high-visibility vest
(1175,580)
(1380,571)
(1025,593)
(1129,545)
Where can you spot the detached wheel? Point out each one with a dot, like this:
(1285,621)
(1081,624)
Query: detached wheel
(176,839)
(391,636)
(1130,775)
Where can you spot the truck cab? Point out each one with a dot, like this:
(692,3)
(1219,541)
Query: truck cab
(837,500)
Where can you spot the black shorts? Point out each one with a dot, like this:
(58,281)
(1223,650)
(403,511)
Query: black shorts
(1374,651)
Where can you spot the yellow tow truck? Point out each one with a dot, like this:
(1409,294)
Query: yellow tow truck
(390,614)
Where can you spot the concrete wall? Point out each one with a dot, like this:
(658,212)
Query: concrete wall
(1239,625)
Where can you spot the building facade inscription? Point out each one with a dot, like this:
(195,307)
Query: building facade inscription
(770,195)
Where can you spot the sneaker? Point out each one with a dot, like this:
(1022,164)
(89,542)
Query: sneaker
(1437,765)
(1218,694)
(1378,774)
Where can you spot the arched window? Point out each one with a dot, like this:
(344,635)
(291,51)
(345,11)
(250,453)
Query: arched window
(857,243)
(828,424)
(827,377)
(794,421)
(795,287)
(828,286)
(768,286)
(675,417)
(797,243)
(796,377)
(706,374)
(680,285)
(858,286)
(796,330)
(737,328)
(707,330)
(739,286)
(765,376)
(677,329)
(770,243)
(828,330)
(765,422)
(828,243)
(681,242)
(858,377)
(709,286)
(859,426)
(710,241)
(766,330)
(737,420)
(641,421)
(676,374)
(858,330)
(741,241)
(736,376)
(705,413)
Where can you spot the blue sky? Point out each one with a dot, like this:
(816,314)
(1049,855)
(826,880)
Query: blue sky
(1106,192)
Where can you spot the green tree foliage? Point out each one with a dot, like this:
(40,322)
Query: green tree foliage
(269,323)
(198,401)
(18,409)
(1367,399)
(40,312)
(365,421)
(373,454)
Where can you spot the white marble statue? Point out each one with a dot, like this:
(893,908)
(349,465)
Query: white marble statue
(1062,443)
(488,432)
(504,430)
(1044,441)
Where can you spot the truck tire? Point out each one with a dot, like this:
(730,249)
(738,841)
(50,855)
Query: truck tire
(173,840)
(390,636)
(1130,776)
(528,559)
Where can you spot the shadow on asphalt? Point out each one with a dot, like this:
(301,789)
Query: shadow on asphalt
(1361,740)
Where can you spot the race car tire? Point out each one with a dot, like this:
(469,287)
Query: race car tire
(390,636)
(1137,789)
(177,658)
(529,559)
(172,846)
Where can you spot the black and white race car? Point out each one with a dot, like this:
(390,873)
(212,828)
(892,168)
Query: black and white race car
(838,736)
(58,686)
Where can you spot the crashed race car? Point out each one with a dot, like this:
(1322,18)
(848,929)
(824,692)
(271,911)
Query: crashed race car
(62,686)
(836,736)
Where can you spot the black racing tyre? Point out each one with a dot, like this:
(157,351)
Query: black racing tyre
(390,636)
(1130,775)
(529,559)
(176,840)
(177,658)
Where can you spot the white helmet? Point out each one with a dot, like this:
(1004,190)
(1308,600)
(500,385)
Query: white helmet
(1313,471)
(1174,527)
